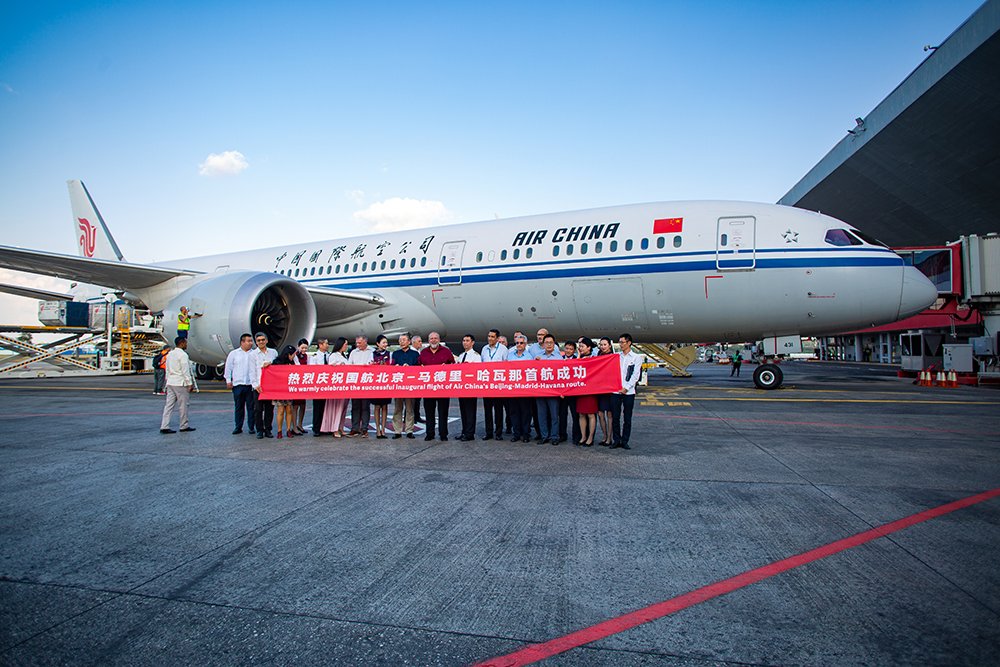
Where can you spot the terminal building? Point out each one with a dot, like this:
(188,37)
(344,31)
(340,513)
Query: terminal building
(921,172)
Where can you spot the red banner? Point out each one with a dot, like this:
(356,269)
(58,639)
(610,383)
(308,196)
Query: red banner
(509,379)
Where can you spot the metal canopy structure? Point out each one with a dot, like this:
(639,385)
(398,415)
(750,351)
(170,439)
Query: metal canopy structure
(923,168)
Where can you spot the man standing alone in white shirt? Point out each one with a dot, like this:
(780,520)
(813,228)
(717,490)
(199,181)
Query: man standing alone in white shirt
(239,378)
(180,384)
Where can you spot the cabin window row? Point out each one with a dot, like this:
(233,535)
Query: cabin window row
(356,267)
(582,249)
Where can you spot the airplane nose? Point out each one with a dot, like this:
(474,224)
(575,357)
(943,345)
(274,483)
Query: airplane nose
(917,294)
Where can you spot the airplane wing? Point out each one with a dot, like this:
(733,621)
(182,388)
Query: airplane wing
(118,275)
(33,293)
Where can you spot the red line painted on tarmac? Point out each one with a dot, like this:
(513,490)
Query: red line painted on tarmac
(535,652)
(117,413)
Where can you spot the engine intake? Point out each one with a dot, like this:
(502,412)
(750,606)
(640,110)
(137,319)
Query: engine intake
(241,302)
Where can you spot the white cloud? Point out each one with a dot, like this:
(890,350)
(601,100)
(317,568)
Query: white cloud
(356,196)
(398,213)
(220,164)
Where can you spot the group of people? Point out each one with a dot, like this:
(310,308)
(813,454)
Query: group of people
(551,420)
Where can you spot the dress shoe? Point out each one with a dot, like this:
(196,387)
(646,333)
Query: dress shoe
(614,445)
(556,442)
(268,434)
(428,437)
(237,430)
(499,435)
(541,441)
(624,445)
(397,436)
(167,430)
(525,439)
(515,439)
(444,438)
(316,434)
(410,436)
(188,429)
(260,436)
(251,431)
(487,437)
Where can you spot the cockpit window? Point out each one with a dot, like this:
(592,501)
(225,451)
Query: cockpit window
(840,237)
(870,240)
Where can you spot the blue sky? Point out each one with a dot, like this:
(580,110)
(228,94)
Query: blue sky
(352,115)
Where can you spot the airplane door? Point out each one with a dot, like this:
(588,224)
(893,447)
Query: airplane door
(612,305)
(450,263)
(736,244)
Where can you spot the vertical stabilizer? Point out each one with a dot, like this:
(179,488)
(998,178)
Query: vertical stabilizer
(92,236)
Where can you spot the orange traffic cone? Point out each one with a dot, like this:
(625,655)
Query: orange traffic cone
(941,382)
(953,379)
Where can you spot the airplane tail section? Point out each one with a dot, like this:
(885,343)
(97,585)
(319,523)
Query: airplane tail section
(93,239)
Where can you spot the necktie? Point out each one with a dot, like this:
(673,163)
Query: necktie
(325,359)
(463,357)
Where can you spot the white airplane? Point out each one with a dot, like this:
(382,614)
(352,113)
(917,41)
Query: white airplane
(667,271)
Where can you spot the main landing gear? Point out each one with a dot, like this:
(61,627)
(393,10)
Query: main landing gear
(768,376)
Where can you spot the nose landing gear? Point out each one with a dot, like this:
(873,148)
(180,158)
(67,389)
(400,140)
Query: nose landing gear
(768,376)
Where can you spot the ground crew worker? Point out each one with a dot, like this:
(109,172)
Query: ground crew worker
(184,322)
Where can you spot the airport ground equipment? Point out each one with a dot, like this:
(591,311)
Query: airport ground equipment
(660,356)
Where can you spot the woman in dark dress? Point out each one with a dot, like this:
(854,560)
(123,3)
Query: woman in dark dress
(586,406)
(604,400)
(381,357)
(283,409)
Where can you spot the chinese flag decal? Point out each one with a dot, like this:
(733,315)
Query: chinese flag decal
(668,225)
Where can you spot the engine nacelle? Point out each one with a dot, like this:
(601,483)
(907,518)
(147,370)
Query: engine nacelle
(241,302)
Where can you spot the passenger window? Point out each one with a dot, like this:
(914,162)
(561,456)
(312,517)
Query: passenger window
(479,257)
(364,267)
(555,251)
(644,244)
(413,262)
(583,248)
(382,265)
(628,245)
(614,246)
(423,261)
(598,247)
(338,269)
(355,269)
(492,256)
(677,241)
(517,253)
(840,237)
(569,249)
(503,255)
(724,240)
(660,242)
(528,253)
(312,271)
(392,264)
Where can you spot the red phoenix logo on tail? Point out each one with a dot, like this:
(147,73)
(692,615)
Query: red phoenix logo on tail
(88,237)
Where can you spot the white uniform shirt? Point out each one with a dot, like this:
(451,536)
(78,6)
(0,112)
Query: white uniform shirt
(629,379)
(257,360)
(470,357)
(238,367)
(320,358)
(179,368)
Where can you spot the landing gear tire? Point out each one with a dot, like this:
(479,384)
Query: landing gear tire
(204,372)
(767,376)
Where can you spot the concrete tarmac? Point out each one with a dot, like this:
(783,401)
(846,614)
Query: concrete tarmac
(122,546)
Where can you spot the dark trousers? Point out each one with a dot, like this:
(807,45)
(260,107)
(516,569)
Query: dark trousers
(467,408)
(318,414)
(534,418)
(416,410)
(493,409)
(243,400)
(440,407)
(735,370)
(263,413)
(621,433)
(159,380)
(361,415)
(567,409)
(519,410)
(548,417)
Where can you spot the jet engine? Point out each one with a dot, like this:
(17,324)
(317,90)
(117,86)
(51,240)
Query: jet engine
(231,304)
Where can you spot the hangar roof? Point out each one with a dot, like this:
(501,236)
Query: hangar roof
(924,168)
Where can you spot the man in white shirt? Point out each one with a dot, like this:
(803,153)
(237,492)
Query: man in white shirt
(320,358)
(467,406)
(180,384)
(260,358)
(361,411)
(494,351)
(239,378)
(631,369)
